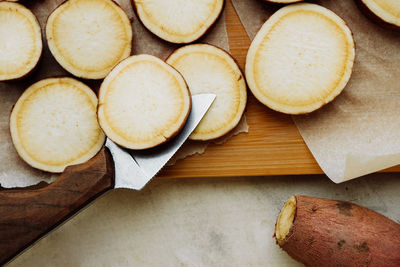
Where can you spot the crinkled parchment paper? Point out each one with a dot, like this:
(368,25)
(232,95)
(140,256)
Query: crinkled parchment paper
(16,173)
(359,132)
(191,148)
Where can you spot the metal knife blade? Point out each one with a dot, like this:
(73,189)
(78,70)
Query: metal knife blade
(134,169)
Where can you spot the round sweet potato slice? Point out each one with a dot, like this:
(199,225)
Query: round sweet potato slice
(384,12)
(143,102)
(54,124)
(301,59)
(178,21)
(208,69)
(282,1)
(21,41)
(89,37)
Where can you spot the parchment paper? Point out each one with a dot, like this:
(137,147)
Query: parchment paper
(191,148)
(358,133)
(16,173)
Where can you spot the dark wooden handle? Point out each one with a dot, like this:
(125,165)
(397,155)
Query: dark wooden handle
(27,214)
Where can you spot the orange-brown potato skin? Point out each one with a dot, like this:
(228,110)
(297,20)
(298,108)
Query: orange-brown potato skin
(336,233)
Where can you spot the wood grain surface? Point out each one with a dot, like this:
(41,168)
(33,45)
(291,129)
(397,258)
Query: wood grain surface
(273,145)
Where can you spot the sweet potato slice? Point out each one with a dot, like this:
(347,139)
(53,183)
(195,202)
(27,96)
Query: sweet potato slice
(208,69)
(301,59)
(21,41)
(384,12)
(178,21)
(144,102)
(282,1)
(89,37)
(322,232)
(54,124)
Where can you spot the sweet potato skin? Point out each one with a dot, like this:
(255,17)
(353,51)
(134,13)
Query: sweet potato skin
(336,233)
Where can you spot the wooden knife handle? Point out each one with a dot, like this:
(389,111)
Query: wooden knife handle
(27,214)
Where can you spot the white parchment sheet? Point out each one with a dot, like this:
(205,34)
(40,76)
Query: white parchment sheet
(359,132)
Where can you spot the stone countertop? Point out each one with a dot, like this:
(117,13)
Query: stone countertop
(197,222)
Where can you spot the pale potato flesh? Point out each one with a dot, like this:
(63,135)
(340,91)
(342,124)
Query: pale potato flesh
(20,41)
(89,37)
(54,124)
(285,220)
(208,69)
(178,21)
(301,59)
(143,102)
(387,10)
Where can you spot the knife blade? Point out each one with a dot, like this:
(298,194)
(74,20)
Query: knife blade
(134,169)
(27,214)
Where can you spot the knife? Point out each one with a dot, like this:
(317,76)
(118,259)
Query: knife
(27,214)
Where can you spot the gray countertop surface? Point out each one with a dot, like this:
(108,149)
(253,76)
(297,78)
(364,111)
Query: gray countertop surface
(197,222)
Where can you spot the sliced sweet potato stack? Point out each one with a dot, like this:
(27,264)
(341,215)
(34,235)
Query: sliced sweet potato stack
(21,41)
(54,124)
(143,102)
(89,37)
(301,59)
(178,21)
(208,69)
(384,12)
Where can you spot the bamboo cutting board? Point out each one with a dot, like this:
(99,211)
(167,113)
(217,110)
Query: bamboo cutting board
(273,145)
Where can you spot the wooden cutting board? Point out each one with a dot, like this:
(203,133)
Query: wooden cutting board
(273,145)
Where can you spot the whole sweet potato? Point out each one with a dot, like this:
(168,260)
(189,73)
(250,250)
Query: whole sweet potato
(322,232)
